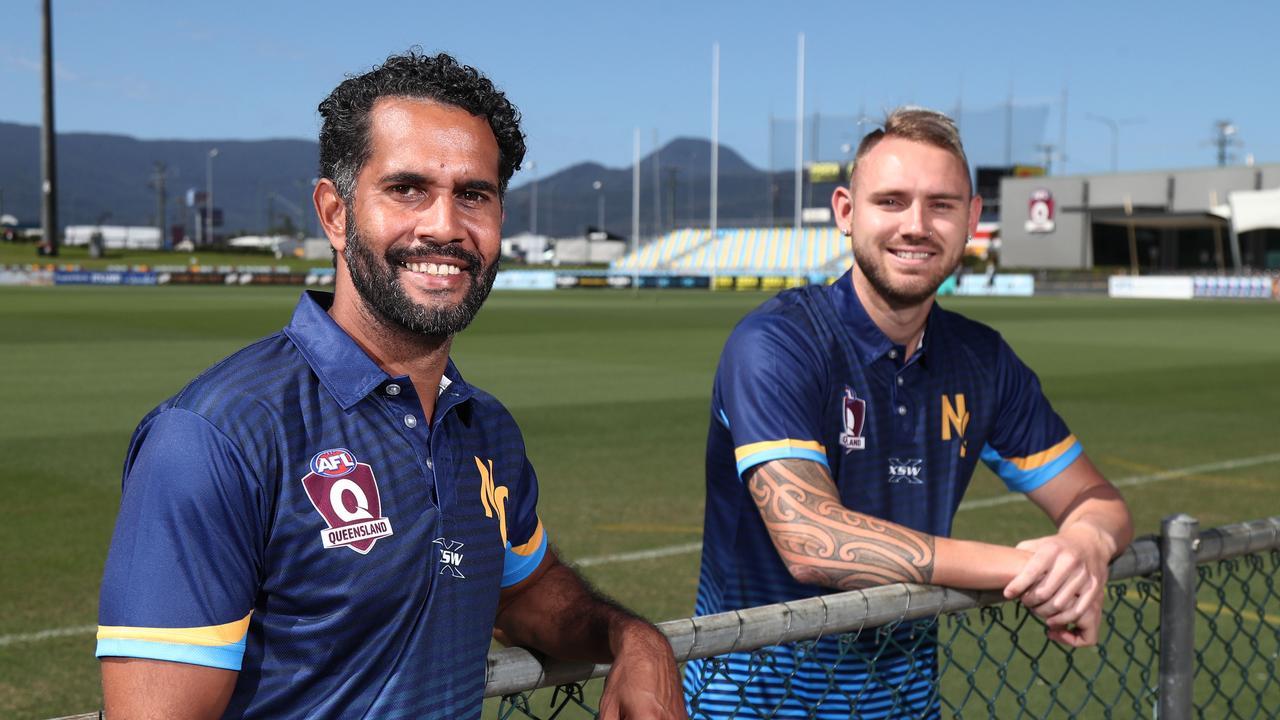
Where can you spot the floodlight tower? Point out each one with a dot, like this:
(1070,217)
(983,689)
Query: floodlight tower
(1225,137)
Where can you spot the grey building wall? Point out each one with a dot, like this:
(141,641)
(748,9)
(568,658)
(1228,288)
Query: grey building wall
(1270,177)
(1076,197)
(1064,246)
(1197,191)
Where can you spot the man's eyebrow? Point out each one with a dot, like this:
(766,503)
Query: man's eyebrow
(405,177)
(481,185)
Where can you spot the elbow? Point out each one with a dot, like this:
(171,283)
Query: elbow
(807,572)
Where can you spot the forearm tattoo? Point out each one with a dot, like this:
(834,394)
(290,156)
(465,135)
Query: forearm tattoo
(824,543)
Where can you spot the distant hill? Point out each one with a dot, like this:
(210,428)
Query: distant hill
(258,183)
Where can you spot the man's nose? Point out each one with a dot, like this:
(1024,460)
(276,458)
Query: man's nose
(438,222)
(915,221)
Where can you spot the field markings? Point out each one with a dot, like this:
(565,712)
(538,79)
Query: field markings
(6,640)
(1131,481)
(693,547)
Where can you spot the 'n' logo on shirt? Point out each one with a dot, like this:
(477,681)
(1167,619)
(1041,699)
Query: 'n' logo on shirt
(954,419)
(493,498)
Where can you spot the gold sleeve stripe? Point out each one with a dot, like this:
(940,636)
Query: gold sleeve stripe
(534,542)
(753,448)
(1031,462)
(210,636)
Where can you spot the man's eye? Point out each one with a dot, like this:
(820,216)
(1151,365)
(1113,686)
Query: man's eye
(473,196)
(402,189)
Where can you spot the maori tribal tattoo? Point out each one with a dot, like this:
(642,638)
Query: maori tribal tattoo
(824,543)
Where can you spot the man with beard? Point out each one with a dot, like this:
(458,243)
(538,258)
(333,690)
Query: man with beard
(846,423)
(332,522)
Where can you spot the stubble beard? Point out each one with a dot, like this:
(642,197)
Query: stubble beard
(904,295)
(381,291)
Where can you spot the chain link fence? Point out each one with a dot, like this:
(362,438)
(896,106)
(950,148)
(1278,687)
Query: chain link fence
(1191,629)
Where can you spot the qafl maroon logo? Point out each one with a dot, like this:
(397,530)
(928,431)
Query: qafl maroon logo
(853,415)
(345,493)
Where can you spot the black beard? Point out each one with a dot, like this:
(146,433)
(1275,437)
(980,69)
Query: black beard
(376,280)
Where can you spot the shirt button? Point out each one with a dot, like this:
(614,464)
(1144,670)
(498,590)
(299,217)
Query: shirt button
(899,380)
(412,422)
(902,409)
(393,390)
(893,354)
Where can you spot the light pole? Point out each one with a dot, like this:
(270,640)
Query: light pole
(208,194)
(599,188)
(1115,135)
(533,199)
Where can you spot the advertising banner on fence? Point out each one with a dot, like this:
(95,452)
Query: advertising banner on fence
(1018,285)
(1214,286)
(100,277)
(1173,287)
(525,280)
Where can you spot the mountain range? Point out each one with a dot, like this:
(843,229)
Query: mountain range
(266,184)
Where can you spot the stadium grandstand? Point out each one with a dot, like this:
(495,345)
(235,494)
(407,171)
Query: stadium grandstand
(758,251)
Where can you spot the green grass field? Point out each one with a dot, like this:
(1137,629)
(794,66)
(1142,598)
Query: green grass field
(611,391)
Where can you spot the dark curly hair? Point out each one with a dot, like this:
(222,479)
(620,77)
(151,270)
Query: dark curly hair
(344,136)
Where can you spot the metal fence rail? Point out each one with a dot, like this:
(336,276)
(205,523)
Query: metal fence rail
(1191,629)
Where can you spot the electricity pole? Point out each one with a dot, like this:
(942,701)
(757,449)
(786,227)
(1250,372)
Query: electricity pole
(49,206)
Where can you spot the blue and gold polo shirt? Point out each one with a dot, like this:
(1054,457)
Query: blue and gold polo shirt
(809,375)
(292,516)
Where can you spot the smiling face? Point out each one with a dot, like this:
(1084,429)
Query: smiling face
(909,212)
(423,231)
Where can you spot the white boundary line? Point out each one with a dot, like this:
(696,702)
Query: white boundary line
(1132,481)
(1005,499)
(6,640)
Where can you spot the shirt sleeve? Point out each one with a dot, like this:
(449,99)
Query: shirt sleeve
(1031,444)
(526,539)
(182,570)
(766,392)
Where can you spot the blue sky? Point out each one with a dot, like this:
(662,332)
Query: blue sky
(586,73)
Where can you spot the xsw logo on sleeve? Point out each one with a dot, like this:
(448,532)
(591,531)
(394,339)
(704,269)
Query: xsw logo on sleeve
(345,493)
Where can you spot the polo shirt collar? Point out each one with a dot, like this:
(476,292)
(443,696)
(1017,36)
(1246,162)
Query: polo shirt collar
(340,364)
(869,341)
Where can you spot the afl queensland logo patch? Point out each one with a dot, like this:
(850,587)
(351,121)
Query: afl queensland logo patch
(853,415)
(345,493)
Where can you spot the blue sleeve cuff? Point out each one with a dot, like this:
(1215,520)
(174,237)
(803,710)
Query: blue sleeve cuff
(516,567)
(226,657)
(1024,481)
(782,453)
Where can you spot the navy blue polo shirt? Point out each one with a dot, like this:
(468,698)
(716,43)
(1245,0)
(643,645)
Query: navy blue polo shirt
(809,375)
(291,515)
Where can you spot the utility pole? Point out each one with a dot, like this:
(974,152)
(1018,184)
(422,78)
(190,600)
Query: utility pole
(49,206)
(1046,155)
(157,183)
(1225,137)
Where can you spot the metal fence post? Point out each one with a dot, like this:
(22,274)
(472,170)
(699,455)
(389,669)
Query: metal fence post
(1179,535)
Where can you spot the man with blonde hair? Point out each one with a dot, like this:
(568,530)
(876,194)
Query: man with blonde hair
(847,421)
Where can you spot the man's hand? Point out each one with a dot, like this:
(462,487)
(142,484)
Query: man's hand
(557,612)
(1064,581)
(642,682)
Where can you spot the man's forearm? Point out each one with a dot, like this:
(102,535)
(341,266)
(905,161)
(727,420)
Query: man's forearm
(822,542)
(562,616)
